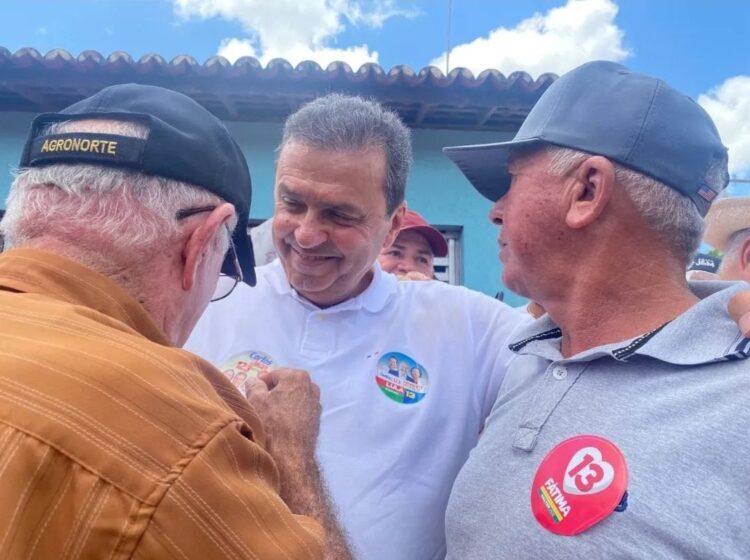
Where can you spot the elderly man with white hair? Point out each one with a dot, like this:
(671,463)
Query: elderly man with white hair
(621,425)
(114,442)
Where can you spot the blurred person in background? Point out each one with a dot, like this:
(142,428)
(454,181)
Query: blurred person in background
(728,231)
(414,250)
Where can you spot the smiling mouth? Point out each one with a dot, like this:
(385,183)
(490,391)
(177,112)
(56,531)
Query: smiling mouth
(307,257)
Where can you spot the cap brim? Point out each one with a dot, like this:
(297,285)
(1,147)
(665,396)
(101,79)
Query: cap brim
(245,254)
(486,165)
(436,240)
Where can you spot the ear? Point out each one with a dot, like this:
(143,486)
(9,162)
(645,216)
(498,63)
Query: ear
(397,221)
(588,191)
(199,240)
(744,261)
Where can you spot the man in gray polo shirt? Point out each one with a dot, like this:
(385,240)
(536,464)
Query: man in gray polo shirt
(621,427)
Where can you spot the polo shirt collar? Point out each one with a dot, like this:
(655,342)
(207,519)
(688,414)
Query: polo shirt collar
(40,272)
(374,298)
(704,333)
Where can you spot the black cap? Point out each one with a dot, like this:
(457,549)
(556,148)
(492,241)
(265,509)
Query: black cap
(185,143)
(705,262)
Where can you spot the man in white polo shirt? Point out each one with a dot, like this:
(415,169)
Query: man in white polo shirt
(390,444)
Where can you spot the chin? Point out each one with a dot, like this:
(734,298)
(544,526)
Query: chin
(514,285)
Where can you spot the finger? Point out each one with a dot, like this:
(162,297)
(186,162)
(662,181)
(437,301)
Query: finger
(535,310)
(275,376)
(255,387)
(271,378)
(739,310)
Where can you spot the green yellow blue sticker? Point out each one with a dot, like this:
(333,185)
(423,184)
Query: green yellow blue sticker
(246,366)
(401,378)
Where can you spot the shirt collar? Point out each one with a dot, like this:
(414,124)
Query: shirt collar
(373,298)
(40,272)
(704,333)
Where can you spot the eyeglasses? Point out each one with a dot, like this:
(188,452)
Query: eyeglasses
(227,282)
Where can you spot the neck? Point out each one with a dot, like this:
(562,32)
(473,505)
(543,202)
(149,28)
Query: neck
(610,306)
(326,302)
(143,276)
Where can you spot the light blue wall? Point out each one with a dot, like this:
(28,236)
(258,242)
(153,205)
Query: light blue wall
(436,188)
(13,130)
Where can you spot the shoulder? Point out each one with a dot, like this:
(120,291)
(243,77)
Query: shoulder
(457,300)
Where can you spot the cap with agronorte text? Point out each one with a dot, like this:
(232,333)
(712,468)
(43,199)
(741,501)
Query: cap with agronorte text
(185,143)
(633,119)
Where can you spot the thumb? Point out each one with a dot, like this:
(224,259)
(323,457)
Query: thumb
(739,310)
(255,387)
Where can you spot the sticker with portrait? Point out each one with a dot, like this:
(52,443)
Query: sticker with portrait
(246,366)
(401,378)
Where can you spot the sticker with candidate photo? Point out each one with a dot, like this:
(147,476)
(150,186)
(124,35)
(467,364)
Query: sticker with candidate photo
(401,378)
(246,366)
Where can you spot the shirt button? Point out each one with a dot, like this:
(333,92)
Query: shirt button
(560,372)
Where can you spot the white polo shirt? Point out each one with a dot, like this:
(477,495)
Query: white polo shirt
(408,371)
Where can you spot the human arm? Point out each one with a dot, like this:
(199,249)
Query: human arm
(223,502)
(288,403)
(414,276)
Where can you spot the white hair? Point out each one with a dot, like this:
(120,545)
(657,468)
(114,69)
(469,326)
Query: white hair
(669,214)
(96,206)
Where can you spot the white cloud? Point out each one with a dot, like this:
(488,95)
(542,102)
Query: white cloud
(233,48)
(296,30)
(556,41)
(729,107)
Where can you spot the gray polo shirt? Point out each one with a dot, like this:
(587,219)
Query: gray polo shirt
(676,402)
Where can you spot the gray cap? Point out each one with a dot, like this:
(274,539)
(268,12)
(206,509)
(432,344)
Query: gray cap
(603,108)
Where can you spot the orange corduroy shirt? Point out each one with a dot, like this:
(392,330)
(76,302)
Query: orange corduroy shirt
(115,444)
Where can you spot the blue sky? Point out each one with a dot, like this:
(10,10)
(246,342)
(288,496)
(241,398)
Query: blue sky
(700,47)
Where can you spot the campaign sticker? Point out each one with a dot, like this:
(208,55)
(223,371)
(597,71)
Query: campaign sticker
(246,366)
(580,482)
(401,378)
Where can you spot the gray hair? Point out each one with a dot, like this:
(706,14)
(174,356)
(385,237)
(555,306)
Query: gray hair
(94,205)
(342,123)
(671,215)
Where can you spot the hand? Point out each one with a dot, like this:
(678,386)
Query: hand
(288,403)
(535,310)
(413,275)
(739,310)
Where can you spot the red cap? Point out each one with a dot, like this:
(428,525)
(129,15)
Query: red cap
(414,220)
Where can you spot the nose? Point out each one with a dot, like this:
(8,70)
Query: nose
(402,267)
(496,212)
(310,232)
